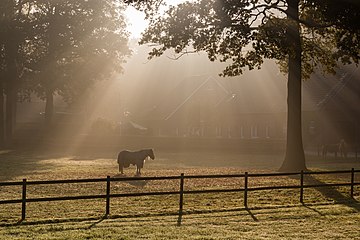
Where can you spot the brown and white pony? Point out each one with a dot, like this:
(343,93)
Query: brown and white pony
(335,148)
(125,158)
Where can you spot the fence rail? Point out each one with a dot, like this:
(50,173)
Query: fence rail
(181,190)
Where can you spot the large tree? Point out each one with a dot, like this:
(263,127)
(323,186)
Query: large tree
(302,36)
(56,47)
(15,24)
(78,42)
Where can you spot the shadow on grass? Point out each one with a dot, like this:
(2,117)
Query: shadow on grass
(313,209)
(241,212)
(99,221)
(15,163)
(138,217)
(135,183)
(251,214)
(333,193)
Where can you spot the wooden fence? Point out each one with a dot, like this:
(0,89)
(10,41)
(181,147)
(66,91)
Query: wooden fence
(246,189)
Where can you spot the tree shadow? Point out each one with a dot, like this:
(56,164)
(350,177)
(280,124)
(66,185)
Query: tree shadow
(15,163)
(333,193)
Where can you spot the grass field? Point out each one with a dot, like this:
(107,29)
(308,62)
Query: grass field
(328,213)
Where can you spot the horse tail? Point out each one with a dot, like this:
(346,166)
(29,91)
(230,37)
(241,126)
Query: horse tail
(123,159)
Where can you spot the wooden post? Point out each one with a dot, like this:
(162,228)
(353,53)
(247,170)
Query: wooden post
(352,183)
(246,189)
(302,186)
(181,199)
(107,196)
(23,203)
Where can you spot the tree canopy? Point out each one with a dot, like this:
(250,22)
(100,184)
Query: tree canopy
(302,36)
(58,47)
(243,33)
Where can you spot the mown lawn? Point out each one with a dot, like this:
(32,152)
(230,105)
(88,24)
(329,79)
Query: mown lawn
(327,213)
(329,221)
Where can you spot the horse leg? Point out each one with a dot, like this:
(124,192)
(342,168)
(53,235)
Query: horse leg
(138,169)
(324,152)
(340,152)
(344,151)
(121,168)
(343,154)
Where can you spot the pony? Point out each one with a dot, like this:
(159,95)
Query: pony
(125,158)
(335,148)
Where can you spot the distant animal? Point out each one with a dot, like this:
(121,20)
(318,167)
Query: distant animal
(335,148)
(125,158)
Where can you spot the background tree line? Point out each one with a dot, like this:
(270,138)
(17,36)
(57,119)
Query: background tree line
(53,48)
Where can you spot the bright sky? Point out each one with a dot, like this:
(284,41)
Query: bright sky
(136,22)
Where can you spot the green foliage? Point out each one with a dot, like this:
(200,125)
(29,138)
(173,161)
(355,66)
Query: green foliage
(62,45)
(78,42)
(243,33)
(302,36)
(58,47)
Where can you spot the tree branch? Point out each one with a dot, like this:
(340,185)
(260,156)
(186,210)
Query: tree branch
(182,54)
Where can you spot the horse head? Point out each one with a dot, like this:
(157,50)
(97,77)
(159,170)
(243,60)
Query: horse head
(151,154)
(343,148)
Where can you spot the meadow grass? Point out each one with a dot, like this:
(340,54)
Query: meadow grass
(327,213)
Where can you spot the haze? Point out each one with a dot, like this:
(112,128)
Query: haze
(184,106)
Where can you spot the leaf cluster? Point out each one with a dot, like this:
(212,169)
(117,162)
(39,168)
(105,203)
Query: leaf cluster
(245,32)
(339,28)
(64,46)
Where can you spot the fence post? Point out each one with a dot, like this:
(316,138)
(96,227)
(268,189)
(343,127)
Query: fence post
(352,182)
(246,189)
(107,196)
(302,186)
(23,201)
(181,199)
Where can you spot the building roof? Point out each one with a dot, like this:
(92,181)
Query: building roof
(221,95)
(251,94)
(341,90)
(190,88)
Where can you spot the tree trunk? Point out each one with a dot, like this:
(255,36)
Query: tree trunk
(10,90)
(294,156)
(2,117)
(9,120)
(11,46)
(49,107)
